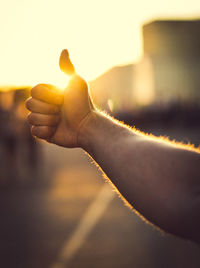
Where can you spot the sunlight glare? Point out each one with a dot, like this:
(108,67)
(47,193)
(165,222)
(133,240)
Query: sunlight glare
(60,80)
(95,44)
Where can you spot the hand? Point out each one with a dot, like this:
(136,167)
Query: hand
(57,117)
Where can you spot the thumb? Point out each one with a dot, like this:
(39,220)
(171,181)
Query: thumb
(65,63)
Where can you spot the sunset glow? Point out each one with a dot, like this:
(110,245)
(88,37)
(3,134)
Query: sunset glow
(98,34)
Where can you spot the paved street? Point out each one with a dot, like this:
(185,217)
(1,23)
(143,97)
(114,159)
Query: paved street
(73,219)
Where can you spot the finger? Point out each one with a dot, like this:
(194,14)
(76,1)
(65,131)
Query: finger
(47,93)
(43,132)
(37,106)
(43,119)
(65,63)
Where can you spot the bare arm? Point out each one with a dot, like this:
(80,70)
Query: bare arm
(160,180)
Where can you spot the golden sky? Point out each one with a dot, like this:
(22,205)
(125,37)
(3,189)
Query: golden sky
(97,33)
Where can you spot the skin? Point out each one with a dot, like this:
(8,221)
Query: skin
(158,178)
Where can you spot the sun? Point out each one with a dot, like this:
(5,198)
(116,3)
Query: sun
(62,81)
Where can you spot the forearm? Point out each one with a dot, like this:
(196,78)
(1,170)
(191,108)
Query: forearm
(158,179)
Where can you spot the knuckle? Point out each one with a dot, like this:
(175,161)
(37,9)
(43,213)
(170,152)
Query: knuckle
(35,90)
(30,118)
(41,132)
(29,103)
(34,131)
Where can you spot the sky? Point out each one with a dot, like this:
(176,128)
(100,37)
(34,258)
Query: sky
(98,34)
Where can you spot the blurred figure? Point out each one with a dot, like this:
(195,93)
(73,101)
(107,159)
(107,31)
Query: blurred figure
(28,151)
(9,143)
(19,150)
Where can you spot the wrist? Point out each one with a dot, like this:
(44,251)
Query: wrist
(99,129)
(87,129)
(100,134)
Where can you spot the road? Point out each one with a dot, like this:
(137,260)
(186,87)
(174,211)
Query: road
(73,219)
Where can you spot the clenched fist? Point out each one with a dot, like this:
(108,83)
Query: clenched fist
(57,117)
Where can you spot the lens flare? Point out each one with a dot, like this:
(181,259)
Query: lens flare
(110,105)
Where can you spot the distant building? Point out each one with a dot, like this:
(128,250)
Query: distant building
(173,48)
(113,89)
(168,71)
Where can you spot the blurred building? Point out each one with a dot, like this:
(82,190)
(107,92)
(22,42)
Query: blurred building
(172,47)
(113,89)
(167,72)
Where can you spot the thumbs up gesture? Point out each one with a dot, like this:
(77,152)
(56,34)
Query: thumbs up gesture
(55,116)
